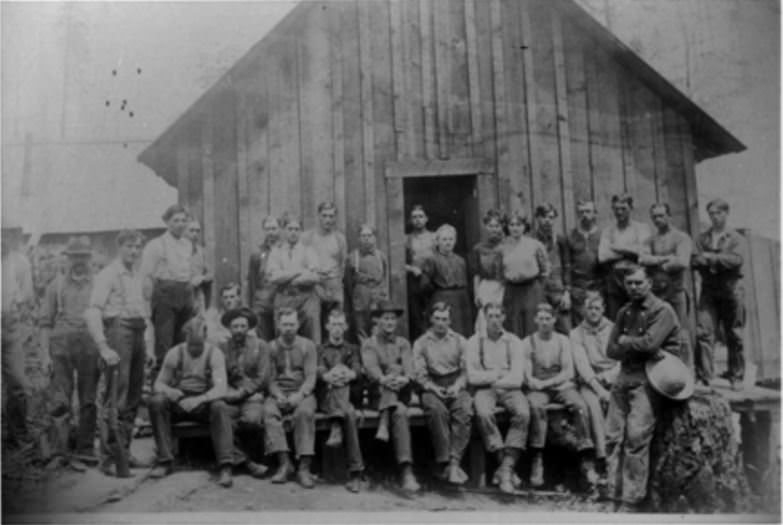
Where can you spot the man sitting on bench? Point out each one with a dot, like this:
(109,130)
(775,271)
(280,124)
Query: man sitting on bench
(294,363)
(495,369)
(439,363)
(190,386)
(550,377)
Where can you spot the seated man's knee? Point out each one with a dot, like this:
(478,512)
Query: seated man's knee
(304,411)
(218,407)
(157,401)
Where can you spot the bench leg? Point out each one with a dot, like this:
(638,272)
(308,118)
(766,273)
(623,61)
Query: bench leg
(478,475)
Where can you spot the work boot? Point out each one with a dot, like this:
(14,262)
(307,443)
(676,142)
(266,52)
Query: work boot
(303,475)
(409,483)
(506,484)
(257,470)
(161,470)
(537,470)
(134,462)
(354,484)
(382,434)
(284,468)
(588,469)
(628,508)
(335,435)
(225,479)
(456,475)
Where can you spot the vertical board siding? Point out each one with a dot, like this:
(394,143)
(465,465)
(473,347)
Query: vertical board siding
(486,146)
(399,83)
(502,132)
(442,64)
(576,88)
(195,175)
(659,151)
(638,147)
(566,202)
(258,156)
(207,163)
(337,138)
(459,124)
(243,187)
(368,138)
(676,172)
(428,79)
(521,104)
(472,49)
(412,66)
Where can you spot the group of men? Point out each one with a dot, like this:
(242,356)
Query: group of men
(256,365)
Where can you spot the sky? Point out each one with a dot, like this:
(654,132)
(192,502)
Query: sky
(87,86)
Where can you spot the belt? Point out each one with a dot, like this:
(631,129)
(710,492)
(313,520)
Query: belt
(452,288)
(133,323)
(293,290)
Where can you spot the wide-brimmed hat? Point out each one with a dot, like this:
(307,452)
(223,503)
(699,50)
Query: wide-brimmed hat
(78,246)
(670,377)
(386,306)
(245,312)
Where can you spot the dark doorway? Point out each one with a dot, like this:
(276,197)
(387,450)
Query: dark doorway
(451,200)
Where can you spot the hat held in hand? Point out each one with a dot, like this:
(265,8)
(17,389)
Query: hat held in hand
(670,377)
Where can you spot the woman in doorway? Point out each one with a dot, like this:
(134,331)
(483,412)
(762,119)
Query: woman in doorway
(485,263)
(445,274)
(525,266)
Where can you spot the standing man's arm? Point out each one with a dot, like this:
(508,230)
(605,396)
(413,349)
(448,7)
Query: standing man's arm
(515,377)
(310,366)
(682,255)
(614,350)
(252,277)
(421,372)
(150,258)
(728,258)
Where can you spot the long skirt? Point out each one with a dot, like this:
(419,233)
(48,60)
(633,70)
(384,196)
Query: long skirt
(461,309)
(488,291)
(520,301)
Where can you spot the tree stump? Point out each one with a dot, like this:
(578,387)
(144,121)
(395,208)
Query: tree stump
(695,464)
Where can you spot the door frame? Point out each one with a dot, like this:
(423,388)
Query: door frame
(395,173)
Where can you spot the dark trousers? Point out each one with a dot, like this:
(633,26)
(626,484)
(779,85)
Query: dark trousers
(218,414)
(448,420)
(539,419)
(616,295)
(73,351)
(17,386)
(397,405)
(172,307)
(720,310)
(417,307)
(485,401)
(304,427)
(336,404)
(126,337)
(266,324)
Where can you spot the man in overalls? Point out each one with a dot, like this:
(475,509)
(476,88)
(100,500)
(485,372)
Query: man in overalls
(168,283)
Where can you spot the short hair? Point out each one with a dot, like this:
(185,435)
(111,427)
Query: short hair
(230,286)
(623,198)
(445,228)
(327,205)
(366,226)
(542,210)
(173,210)
(194,220)
(517,216)
(440,306)
(287,219)
(585,202)
(664,205)
(721,204)
(494,215)
(491,305)
(634,268)
(285,311)
(545,307)
(336,312)
(418,207)
(268,219)
(593,296)
(126,236)
(194,326)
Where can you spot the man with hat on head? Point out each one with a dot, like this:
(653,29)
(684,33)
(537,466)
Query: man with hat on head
(388,365)
(68,349)
(17,295)
(247,376)
(168,282)
(645,327)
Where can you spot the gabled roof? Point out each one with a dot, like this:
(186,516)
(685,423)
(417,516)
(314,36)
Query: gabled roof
(710,138)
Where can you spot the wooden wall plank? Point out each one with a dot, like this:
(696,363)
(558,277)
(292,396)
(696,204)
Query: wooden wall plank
(486,145)
(576,88)
(752,332)
(258,154)
(639,147)
(630,116)
(353,128)
(460,125)
(768,351)
(243,187)
(412,38)
(429,109)
(183,182)
(401,122)
(566,204)
(368,130)
(207,152)
(502,132)
(442,63)
(395,203)
(471,41)
(689,165)
(196,175)
(529,169)
(337,138)
(659,150)
(675,171)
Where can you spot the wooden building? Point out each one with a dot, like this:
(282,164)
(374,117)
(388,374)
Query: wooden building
(461,105)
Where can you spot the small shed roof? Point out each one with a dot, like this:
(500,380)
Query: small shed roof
(711,139)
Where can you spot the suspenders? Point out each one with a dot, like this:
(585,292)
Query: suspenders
(481,353)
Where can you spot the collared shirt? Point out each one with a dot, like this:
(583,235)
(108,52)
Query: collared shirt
(247,365)
(549,358)
(435,357)
(331,355)
(419,247)
(331,250)
(17,281)
(524,259)
(167,258)
(726,269)
(201,375)
(382,356)
(484,357)
(559,261)
(261,292)
(583,252)
(117,292)
(589,345)
(293,367)
(651,325)
(65,301)
(486,260)
(445,272)
(631,238)
(368,273)
(285,259)
(673,243)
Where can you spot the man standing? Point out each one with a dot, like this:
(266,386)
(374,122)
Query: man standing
(17,295)
(199,269)
(331,248)
(168,284)
(293,269)
(582,247)
(619,249)
(645,326)
(247,374)
(118,320)
(496,370)
(419,246)
(261,292)
(294,367)
(65,338)
(558,282)
(667,254)
(367,278)
(191,386)
(550,377)
(439,365)
(339,367)
(388,364)
(230,299)
(595,371)
(721,305)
